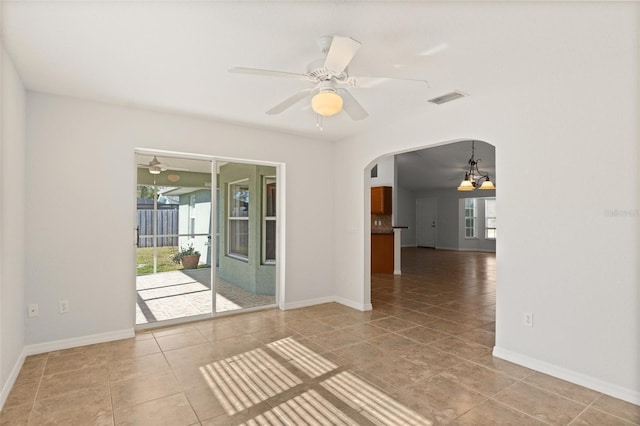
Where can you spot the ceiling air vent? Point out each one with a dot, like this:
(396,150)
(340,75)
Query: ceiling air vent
(448,97)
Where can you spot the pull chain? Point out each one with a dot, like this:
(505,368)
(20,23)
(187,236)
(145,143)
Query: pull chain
(319,122)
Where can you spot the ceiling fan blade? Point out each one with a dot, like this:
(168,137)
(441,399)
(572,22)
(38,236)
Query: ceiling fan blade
(270,73)
(341,52)
(165,167)
(289,102)
(366,82)
(351,106)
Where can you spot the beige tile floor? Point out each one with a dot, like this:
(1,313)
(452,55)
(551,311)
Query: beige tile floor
(421,357)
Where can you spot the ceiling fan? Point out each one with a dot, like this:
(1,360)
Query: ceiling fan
(155,166)
(330,78)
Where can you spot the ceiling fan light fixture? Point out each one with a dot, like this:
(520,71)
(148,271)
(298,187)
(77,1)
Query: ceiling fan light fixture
(326,103)
(154,170)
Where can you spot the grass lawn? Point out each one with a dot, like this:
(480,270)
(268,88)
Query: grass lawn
(144,260)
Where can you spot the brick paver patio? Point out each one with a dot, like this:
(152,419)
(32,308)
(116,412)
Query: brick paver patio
(178,294)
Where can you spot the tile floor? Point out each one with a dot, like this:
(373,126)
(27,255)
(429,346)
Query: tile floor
(179,294)
(421,357)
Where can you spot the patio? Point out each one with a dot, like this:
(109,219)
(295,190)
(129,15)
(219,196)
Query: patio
(177,294)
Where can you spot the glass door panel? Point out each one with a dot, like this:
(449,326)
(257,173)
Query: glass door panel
(174,225)
(246,227)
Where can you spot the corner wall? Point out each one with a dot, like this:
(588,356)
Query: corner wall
(12,224)
(573,264)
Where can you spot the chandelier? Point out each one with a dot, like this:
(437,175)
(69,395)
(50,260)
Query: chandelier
(474,176)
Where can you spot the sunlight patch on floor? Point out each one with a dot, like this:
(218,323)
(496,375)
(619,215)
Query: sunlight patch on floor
(302,357)
(377,406)
(241,381)
(309,408)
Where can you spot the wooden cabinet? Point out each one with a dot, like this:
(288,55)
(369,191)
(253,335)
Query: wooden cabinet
(381,238)
(381,200)
(382,253)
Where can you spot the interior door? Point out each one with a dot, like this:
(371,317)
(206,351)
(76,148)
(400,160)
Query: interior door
(426,222)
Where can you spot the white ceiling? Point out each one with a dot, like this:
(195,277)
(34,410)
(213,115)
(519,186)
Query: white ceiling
(174,56)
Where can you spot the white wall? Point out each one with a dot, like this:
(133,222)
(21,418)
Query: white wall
(571,263)
(406,215)
(12,223)
(386,172)
(81,201)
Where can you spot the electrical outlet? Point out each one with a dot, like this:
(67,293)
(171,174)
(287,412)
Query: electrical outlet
(33,310)
(63,306)
(527,319)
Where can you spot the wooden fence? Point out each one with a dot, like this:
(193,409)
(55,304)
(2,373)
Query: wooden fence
(167,224)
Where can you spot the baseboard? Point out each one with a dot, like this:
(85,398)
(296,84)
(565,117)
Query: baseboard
(465,249)
(308,302)
(11,380)
(629,395)
(354,305)
(92,339)
(477,249)
(458,249)
(321,300)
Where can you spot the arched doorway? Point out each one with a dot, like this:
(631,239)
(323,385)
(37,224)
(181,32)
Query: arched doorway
(426,202)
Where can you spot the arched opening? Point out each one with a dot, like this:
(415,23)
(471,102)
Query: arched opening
(443,283)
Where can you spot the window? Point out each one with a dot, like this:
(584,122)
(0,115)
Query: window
(490,219)
(269,220)
(238,230)
(470,218)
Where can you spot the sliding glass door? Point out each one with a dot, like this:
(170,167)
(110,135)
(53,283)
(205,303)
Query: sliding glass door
(206,242)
